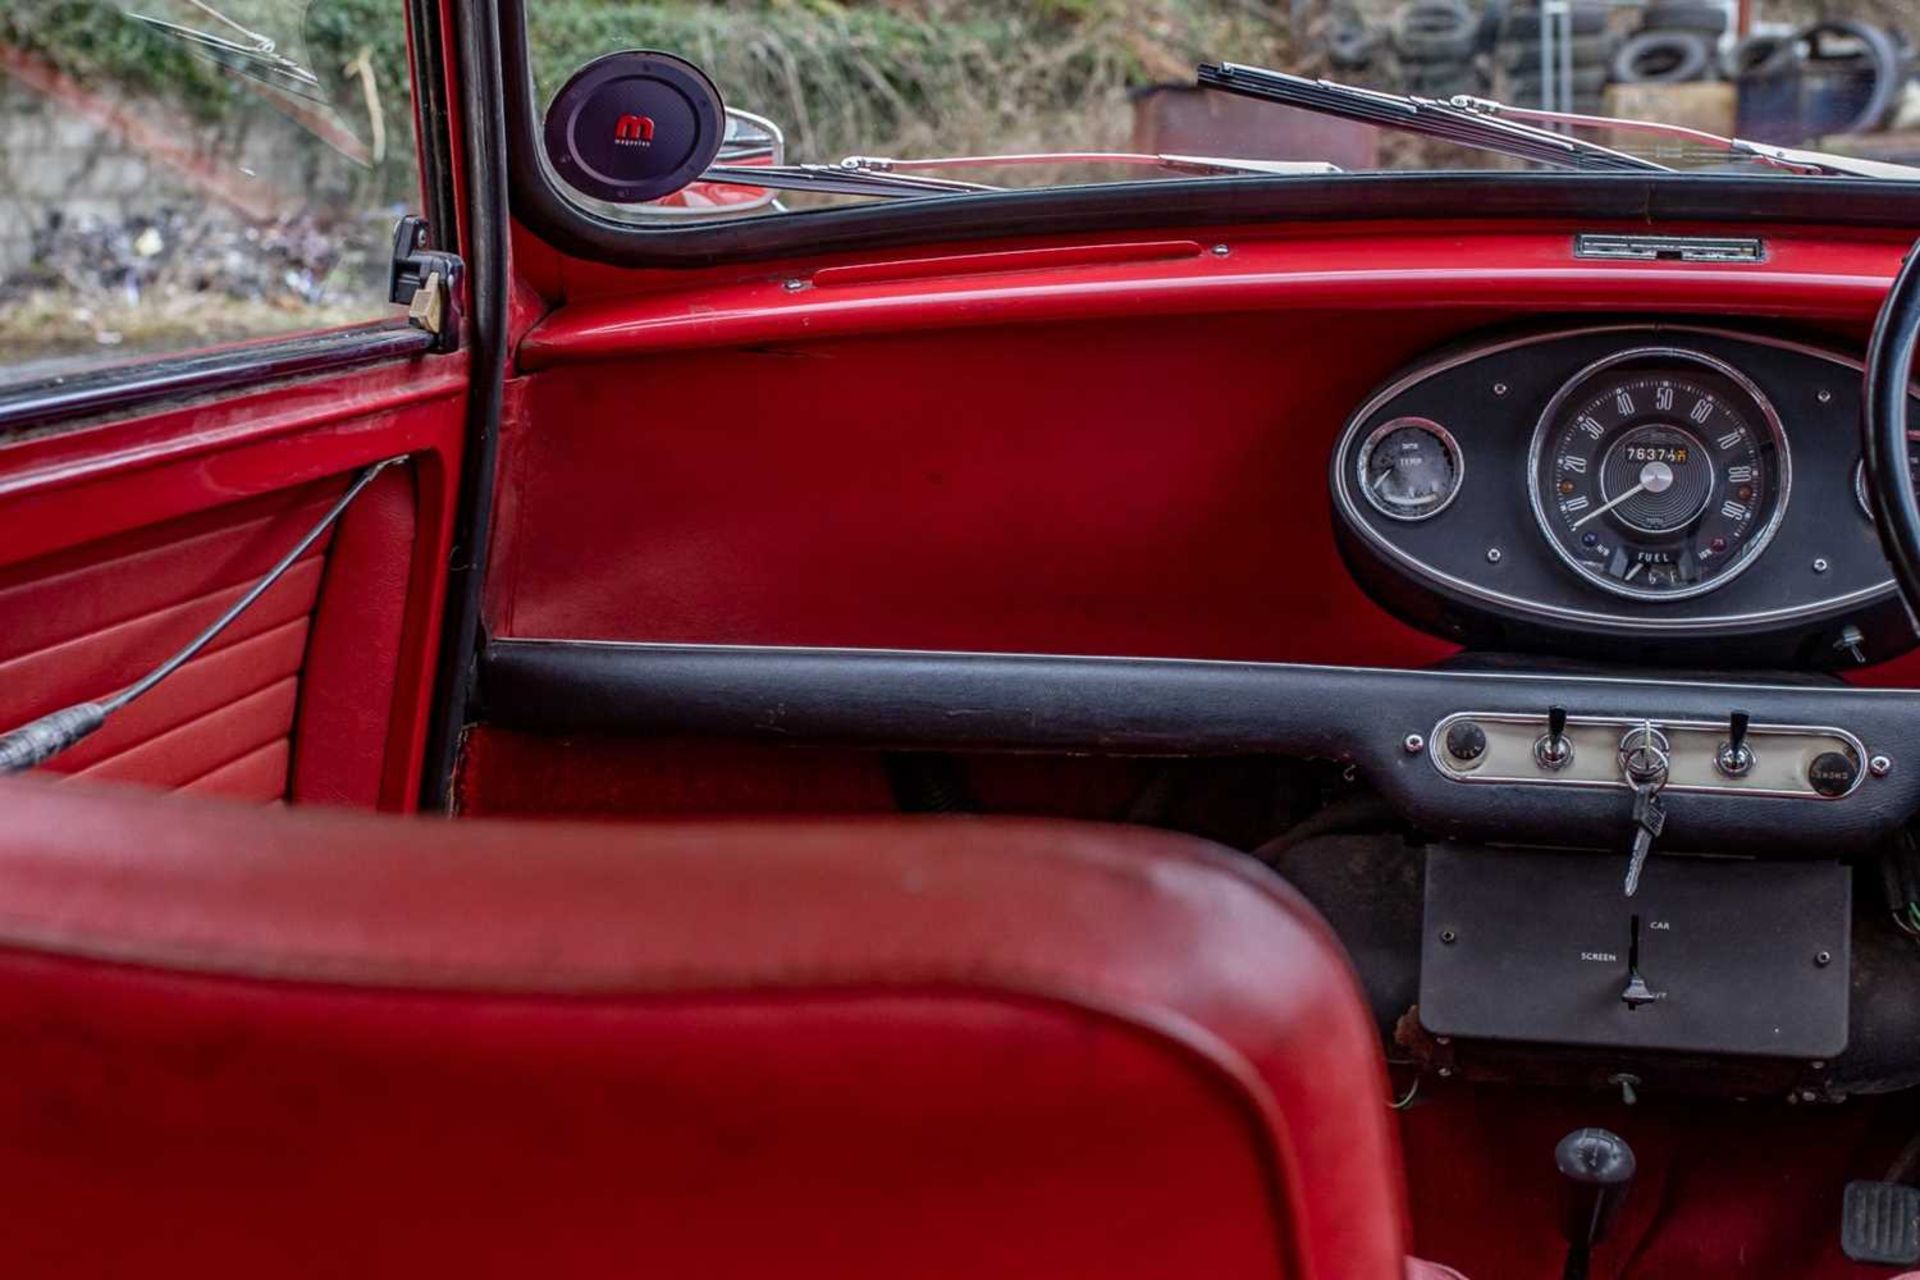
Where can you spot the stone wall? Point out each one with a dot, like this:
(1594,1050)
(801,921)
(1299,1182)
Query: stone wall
(67,158)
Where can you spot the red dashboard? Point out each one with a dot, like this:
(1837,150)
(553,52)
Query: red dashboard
(1115,447)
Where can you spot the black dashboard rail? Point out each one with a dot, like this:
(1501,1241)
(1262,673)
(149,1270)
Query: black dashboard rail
(906,699)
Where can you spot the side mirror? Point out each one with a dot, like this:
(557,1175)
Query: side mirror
(750,140)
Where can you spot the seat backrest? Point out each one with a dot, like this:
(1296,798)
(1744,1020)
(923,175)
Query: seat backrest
(272,1043)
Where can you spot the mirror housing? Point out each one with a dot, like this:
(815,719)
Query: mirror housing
(750,140)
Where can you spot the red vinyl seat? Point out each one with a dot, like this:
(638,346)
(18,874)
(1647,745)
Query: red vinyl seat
(303,1043)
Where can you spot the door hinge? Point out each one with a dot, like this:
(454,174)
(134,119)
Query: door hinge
(427,283)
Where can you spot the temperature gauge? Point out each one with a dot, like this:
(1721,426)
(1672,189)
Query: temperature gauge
(1410,468)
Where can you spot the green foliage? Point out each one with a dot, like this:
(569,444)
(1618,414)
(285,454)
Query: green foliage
(98,44)
(838,75)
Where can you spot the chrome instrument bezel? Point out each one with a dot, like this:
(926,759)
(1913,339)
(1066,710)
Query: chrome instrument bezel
(1387,428)
(1355,514)
(1755,545)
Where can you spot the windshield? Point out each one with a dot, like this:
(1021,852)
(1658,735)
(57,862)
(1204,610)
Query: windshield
(945,97)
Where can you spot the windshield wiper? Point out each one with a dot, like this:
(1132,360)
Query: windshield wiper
(1453,121)
(896,178)
(1497,127)
(258,57)
(1790,159)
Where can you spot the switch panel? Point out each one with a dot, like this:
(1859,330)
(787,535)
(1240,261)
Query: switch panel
(1804,761)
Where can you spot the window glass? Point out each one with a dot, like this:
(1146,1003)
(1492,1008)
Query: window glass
(176,174)
(922,83)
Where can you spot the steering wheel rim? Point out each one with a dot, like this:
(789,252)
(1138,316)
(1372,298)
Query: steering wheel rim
(1883,426)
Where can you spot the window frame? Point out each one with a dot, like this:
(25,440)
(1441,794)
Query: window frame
(94,393)
(544,209)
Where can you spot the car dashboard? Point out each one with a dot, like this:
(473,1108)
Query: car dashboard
(1655,493)
(1538,559)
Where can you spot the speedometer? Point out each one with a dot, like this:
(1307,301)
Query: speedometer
(1659,474)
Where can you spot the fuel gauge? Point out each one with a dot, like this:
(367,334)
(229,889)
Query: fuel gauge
(1410,468)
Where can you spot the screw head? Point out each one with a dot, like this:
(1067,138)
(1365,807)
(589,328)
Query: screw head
(1822,958)
(1221,251)
(1495,555)
(1413,744)
(1447,936)
(1499,388)
(794,285)
(1879,766)
(1824,396)
(1820,564)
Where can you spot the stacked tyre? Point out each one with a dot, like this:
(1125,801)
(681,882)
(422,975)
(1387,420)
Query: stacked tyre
(1437,42)
(1675,44)
(1518,56)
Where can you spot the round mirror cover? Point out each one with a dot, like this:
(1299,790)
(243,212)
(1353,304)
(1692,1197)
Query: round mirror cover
(635,126)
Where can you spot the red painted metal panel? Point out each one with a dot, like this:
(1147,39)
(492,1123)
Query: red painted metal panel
(1357,268)
(1121,487)
(1124,457)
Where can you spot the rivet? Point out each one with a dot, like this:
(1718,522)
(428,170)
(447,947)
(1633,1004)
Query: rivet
(1445,1072)
(1499,388)
(1447,936)
(1824,396)
(1494,555)
(1443,1039)
(1819,564)
(1221,251)
(1880,766)
(795,285)
(1823,958)
(1414,744)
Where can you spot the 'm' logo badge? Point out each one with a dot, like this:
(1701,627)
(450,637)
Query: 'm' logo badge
(633,130)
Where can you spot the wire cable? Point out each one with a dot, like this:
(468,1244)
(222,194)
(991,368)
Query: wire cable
(35,743)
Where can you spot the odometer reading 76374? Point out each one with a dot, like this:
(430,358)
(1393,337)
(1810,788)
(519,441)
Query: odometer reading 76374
(1659,474)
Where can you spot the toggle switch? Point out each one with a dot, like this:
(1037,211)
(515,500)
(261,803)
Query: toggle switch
(1553,749)
(1734,759)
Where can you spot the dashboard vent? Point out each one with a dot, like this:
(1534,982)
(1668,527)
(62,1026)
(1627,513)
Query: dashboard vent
(1644,248)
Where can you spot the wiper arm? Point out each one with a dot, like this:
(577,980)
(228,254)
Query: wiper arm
(1453,121)
(837,179)
(899,179)
(1790,159)
(258,58)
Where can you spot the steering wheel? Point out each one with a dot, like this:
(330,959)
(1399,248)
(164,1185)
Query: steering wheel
(1884,427)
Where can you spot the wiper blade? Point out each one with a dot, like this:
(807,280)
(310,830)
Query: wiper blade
(1453,121)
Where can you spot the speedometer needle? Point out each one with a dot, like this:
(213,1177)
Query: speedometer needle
(1655,477)
(1602,510)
